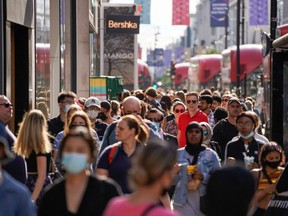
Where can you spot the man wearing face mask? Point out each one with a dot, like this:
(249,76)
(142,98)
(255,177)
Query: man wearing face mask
(65,100)
(15,199)
(105,112)
(245,149)
(92,108)
(156,117)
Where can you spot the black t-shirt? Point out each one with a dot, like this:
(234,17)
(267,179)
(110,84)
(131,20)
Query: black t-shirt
(237,150)
(100,128)
(32,161)
(223,132)
(96,196)
(55,125)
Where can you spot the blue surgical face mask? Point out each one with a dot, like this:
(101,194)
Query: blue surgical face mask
(74,163)
(67,107)
(158,125)
(251,134)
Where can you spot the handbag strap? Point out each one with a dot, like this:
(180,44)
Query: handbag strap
(56,168)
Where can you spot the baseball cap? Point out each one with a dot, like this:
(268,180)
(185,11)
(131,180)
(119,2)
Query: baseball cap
(8,155)
(92,101)
(234,99)
(105,104)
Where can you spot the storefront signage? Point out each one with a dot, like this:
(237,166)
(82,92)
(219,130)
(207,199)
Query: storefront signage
(122,24)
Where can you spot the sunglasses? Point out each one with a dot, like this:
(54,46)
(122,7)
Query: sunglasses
(193,101)
(225,100)
(7,105)
(179,110)
(154,120)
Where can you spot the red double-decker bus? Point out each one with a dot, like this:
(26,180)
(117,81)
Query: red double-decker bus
(181,75)
(251,67)
(144,77)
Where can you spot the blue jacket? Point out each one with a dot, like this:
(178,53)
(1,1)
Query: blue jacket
(207,161)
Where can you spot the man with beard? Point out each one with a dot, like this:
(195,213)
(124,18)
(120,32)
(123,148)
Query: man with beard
(196,164)
(205,104)
(226,129)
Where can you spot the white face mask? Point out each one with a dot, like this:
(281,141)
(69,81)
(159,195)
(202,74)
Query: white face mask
(92,114)
(67,106)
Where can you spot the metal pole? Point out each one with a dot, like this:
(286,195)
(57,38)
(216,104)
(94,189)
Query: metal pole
(243,23)
(2,52)
(238,47)
(226,29)
(273,24)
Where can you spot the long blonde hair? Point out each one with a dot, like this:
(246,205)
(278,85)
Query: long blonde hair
(33,134)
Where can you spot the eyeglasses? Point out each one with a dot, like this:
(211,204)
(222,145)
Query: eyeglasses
(244,124)
(205,132)
(93,108)
(226,100)
(193,101)
(154,120)
(7,105)
(179,110)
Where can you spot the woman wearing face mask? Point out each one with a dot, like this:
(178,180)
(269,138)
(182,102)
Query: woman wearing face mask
(244,150)
(79,193)
(270,158)
(78,118)
(150,176)
(196,163)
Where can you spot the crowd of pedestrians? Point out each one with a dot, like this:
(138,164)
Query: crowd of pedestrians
(148,153)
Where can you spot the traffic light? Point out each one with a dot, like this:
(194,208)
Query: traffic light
(172,69)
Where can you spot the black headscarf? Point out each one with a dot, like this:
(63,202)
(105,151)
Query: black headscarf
(193,149)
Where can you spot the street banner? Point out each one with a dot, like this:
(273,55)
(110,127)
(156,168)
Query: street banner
(145,11)
(180,12)
(218,13)
(258,12)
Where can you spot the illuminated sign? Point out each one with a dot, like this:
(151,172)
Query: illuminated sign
(122,24)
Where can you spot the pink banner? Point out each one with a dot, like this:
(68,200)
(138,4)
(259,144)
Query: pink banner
(180,12)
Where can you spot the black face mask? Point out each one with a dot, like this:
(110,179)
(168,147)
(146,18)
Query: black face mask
(273,164)
(102,116)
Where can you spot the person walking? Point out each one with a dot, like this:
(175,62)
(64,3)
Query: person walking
(196,164)
(33,144)
(17,167)
(115,161)
(226,129)
(15,198)
(150,176)
(79,193)
(271,157)
(193,113)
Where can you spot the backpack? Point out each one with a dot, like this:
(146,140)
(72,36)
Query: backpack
(113,152)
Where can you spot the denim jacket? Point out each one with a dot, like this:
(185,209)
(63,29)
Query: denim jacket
(207,161)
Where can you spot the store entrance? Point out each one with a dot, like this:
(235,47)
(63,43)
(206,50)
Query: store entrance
(19,72)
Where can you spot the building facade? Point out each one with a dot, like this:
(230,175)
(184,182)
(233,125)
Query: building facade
(46,46)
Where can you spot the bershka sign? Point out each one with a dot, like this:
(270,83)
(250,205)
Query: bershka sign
(122,24)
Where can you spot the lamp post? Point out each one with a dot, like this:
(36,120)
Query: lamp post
(238,48)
